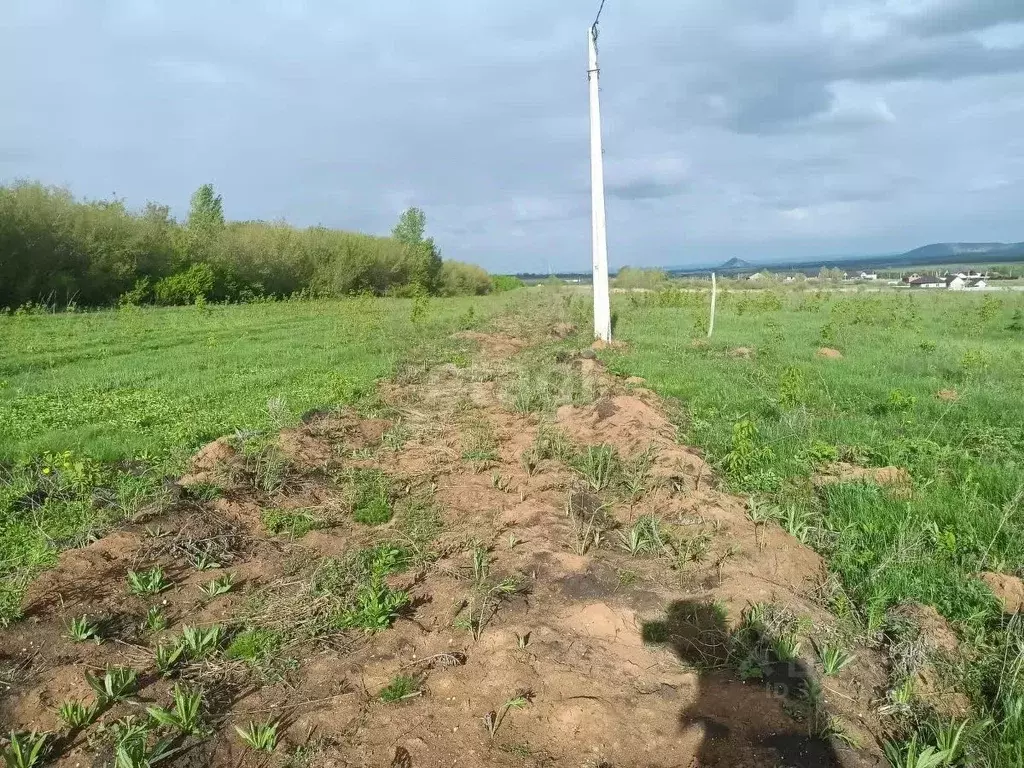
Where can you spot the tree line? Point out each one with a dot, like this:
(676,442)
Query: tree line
(57,250)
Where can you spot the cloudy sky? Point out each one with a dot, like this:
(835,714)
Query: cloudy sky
(753,128)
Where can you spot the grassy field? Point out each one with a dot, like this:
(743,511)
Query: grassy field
(97,408)
(933,384)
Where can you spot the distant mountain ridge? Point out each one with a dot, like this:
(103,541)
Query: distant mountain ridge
(929,253)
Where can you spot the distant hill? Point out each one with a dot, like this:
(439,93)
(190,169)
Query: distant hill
(736,263)
(929,254)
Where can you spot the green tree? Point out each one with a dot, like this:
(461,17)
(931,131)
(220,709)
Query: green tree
(410,227)
(409,231)
(203,227)
(206,211)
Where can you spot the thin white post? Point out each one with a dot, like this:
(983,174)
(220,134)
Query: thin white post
(714,295)
(602,310)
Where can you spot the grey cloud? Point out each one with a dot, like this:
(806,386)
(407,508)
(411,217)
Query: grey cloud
(743,127)
(944,17)
(642,190)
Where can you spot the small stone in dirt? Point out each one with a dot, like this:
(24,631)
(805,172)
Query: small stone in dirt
(948,395)
(1009,590)
(830,354)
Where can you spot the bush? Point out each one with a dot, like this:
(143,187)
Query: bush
(502,283)
(458,279)
(185,287)
(629,278)
(55,250)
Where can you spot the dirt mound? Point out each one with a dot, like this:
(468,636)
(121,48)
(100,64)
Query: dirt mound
(895,478)
(937,646)
(562,330)
(600,344)
(948,395)
(494,345)
(932,627)
(623,421)
(211,463)
(521,638)
(1009,590)
(830,354)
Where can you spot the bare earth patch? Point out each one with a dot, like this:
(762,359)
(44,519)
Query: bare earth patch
(1009,590)
(895,478)
(525,644)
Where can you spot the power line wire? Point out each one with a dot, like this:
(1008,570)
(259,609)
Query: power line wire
(598,17)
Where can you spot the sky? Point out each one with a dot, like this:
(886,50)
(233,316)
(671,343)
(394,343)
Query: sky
(764,129)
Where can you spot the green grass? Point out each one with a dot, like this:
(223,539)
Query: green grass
(400,688)
(145,384)
(97,408)
(256,645)
(768,421)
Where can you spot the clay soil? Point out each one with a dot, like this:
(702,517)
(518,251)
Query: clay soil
(608,659)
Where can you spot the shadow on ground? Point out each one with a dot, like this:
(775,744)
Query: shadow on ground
(768,719)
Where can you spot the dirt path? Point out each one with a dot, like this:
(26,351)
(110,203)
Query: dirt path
(526,613)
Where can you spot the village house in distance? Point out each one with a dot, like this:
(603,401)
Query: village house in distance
(959,282)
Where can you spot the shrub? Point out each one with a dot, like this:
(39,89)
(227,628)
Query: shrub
(57,250)
(634,277)
(185,287)
(502,283)
(458,279)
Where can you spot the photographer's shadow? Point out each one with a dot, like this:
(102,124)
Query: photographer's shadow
(773,718)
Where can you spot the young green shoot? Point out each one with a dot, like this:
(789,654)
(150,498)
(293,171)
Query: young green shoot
(200,643)
(833,658)
(131,745)
(260,737)
(156,620)
(76,713)
(185,714)
(494,719)
(26,750)
(167,656)
(597,465)
(203,560)
(786,648)
(117,684)
(644,538)
(400,688)
(81,629)
(151,582)
(481,564)
(219,586)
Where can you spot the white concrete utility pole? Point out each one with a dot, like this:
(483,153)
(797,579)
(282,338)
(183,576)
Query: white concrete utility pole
(602,310)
